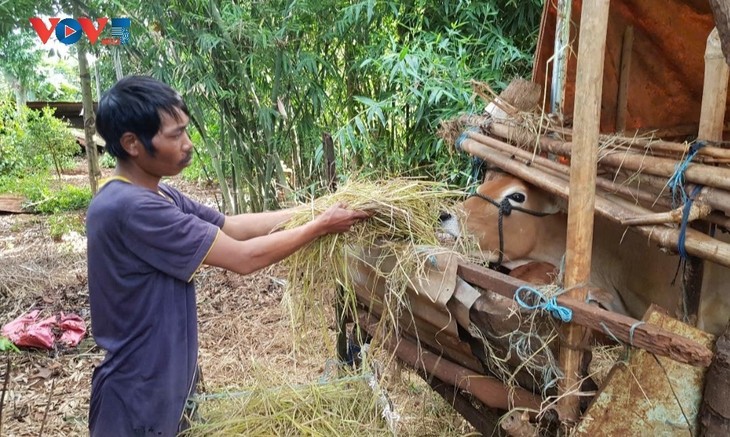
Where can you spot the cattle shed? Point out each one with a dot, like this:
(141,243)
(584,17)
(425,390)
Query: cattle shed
(626,121)
(72,112)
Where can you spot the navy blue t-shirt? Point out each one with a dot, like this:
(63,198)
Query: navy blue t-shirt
(143,250)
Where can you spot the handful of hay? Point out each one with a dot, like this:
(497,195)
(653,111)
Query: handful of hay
(405,217)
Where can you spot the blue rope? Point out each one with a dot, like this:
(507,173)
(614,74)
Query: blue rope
(459,141)
(676,181)
(608,331)
(475,178)
(685,219)
(631,331)
(463,137)
(565,314)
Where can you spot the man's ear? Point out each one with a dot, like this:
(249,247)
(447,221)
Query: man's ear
(131,144)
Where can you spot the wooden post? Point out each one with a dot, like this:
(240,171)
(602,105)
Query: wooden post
(329,155)
(714,416)
(561,55)
(714,92)
(340,310)
(586,119)
(627,47)
(712,118)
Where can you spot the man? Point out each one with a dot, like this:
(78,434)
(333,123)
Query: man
(146,240)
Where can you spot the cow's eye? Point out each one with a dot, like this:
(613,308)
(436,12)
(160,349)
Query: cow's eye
(517,197)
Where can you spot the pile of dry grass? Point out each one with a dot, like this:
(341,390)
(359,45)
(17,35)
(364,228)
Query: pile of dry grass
(344,406)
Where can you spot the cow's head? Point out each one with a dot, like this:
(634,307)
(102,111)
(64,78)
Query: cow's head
(526,217)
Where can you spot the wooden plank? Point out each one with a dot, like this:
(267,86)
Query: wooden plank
(11,204)
(649,395)
(626,329)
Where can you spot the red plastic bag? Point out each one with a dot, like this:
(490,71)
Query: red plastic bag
(27,331)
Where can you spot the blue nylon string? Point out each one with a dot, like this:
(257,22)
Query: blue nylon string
(463,137)
(609,333)
(459,141)
(631,331)
(685,219)
(676,181)
(551,305)
(476,171)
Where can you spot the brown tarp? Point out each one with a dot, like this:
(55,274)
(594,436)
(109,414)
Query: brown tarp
(667,62)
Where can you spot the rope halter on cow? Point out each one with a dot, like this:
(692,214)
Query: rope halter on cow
(505,208)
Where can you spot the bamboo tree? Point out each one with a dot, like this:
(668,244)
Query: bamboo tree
(381,75)
(88,107)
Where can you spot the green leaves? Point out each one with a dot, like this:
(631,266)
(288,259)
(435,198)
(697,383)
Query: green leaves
(7,346)
(378,75)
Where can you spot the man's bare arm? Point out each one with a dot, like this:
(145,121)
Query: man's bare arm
(255,253)
(246,226)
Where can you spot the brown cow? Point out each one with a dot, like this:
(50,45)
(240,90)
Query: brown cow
(623,263)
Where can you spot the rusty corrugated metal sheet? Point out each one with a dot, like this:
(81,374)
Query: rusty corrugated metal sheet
(649,396)
(667,68)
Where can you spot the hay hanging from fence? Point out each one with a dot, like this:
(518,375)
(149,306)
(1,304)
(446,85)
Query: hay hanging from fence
(530,347)
(405,219)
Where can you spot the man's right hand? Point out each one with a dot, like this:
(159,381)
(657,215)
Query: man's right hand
(255,253)
(338,218)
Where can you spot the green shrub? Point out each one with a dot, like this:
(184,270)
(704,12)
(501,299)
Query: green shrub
(67,198)
(107,161)
(61,224)
(32,140)
(46,195)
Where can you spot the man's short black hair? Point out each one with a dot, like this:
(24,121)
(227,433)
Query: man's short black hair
(133,105)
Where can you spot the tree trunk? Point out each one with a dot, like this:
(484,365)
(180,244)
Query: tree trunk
(89,117)
(20,99)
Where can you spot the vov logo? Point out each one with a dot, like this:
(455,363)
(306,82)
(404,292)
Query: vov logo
(69,30)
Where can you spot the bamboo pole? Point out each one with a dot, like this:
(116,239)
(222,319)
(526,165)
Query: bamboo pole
(563,171)
(717,198)
(586,115)
(652,144)
(608,206)
(697,173)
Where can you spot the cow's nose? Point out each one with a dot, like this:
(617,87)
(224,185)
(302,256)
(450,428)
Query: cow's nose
(444,216)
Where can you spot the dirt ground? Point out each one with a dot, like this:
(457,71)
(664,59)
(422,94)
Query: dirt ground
(244,328)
